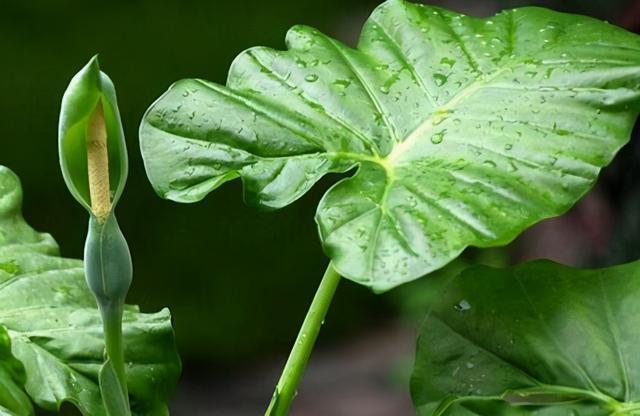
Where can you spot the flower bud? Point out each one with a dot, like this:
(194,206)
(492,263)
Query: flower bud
(93,154)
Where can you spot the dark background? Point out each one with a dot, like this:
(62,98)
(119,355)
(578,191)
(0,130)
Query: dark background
(238,281)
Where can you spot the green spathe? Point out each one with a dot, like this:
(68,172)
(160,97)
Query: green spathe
(536,339)
(55,329)
(464,131)
(87,87)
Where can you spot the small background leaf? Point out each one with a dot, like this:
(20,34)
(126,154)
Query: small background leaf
(552,339)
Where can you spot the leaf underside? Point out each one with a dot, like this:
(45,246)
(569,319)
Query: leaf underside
(55,329)
(463,131)
(537,339)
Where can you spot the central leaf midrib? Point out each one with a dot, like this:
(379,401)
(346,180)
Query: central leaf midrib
(427,124)
(399,148)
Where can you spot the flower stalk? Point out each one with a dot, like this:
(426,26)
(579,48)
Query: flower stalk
(93,160)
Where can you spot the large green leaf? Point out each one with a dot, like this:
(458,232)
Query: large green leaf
(537,339)
(55,328)
(465,131)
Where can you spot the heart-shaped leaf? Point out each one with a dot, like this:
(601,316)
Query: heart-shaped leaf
(465,131)
(537,339)
(55,328)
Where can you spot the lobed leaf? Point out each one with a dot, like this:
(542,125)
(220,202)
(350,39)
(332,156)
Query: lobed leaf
(537,339)
(464,131)
(55,328)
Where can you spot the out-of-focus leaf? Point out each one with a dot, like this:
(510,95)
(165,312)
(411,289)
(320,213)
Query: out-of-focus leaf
(55,328)
(13,399)
(537,339)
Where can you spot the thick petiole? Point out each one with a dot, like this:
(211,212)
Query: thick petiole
(288,384)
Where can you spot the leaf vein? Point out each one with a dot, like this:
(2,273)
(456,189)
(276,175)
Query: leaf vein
(251,105)
(403,58)
(316,106)
(392,133)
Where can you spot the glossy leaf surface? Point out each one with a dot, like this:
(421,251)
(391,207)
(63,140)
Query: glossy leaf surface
(537,339)
(55,329)
(464,131)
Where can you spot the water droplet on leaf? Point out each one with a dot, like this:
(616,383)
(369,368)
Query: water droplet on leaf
(440,79)
(438,137)
(448,61)
(462,306)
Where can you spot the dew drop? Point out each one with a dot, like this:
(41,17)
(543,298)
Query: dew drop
(462,306)
(437,138)
(311,78)
(439,116)
(448,61)
(440,79)
(342,83)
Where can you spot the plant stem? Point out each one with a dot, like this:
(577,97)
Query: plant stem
(112,324)
(287,387)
